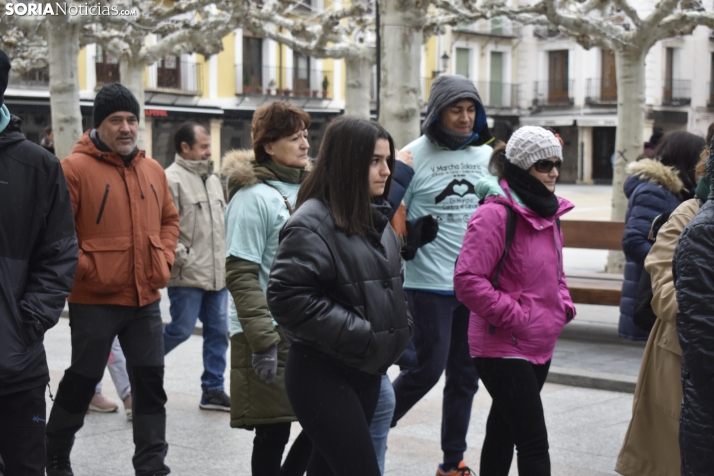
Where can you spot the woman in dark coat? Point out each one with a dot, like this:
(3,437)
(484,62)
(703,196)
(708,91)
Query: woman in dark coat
(335,288)
(694,281)
(656,186)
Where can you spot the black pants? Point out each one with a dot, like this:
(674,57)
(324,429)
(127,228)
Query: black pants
(22,433)
(334,405)
(141,337)
(269,445)
(516,417)
(440,328)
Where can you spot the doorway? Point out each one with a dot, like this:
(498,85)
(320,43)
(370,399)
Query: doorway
(603,148)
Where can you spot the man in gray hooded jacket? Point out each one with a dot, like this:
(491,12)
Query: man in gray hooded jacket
(449,158)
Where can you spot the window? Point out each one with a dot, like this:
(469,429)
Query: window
(252,63)
(668,75)
(106,67)
(710,102)
(463,66)
(301,73)
(168,73)
(496,85)
(558,83)
(608,75)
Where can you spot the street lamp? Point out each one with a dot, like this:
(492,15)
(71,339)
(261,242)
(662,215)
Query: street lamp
(444,65)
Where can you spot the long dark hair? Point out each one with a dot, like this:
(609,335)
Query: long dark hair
(340,177)
(681,150)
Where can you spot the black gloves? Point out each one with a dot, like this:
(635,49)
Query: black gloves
(265,364)
(420,231)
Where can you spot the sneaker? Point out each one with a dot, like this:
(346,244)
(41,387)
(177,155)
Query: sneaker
(100,404)
(215,400)
(127,408)
(58,465)
(462,470)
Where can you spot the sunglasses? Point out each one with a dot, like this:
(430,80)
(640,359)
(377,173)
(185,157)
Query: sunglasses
(545,166)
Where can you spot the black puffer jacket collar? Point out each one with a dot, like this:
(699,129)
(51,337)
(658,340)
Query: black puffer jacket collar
(340,296)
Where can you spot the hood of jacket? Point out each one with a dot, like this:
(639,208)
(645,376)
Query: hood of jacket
(446,90)
(241,169)
(202,168)
(86,146)
(655,172)
(492,189)
(12,133)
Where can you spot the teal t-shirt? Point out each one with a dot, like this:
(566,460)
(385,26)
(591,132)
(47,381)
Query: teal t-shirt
(443,186)
(254,218)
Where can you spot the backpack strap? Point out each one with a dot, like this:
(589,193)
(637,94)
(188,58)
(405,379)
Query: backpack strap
(285,199)
(510,234)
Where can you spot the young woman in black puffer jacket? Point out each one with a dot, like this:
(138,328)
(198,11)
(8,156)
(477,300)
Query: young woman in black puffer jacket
(335,288)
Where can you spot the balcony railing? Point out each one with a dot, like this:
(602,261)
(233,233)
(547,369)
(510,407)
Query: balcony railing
(38,77)
(106,72)
(492,27)
(553,93)
(180,75)
(601,91)
(279,81)
(677,92)
(494,94)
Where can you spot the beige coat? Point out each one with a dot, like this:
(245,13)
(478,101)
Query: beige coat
(651,446)
(201,251)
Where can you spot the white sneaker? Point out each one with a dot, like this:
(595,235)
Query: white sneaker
(100,404)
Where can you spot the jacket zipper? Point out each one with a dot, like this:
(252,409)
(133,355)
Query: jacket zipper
(156,196)
(557,251)
(213,237)
(104,202)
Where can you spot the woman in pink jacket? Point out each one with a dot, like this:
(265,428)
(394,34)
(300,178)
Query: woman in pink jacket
(518,297)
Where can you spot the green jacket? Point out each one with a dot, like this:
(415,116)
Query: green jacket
(252,400)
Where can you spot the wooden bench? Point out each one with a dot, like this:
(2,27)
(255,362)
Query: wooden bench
(594,288)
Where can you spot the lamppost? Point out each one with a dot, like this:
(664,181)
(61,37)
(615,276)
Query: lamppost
(444,65)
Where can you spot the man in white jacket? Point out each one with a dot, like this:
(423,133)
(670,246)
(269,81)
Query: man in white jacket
(197,288)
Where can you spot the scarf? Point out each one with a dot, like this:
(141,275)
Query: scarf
(531,191)
(452,140)
(4,117)
(282,173)
(94,135)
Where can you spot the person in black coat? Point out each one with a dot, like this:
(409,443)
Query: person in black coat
(656,186)
(38,258)
(694,281)
(336,290)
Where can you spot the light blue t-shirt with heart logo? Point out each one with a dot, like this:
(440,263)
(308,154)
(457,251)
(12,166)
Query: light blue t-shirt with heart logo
(443,186)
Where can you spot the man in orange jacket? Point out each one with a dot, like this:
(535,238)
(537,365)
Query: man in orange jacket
(127,228)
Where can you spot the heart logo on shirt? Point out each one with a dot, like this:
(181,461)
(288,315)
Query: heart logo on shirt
(460,189)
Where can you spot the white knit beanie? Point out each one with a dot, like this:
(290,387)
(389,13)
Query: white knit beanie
(529,144)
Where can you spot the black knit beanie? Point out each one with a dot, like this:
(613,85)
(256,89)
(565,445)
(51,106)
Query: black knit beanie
(113,98)
(4,74)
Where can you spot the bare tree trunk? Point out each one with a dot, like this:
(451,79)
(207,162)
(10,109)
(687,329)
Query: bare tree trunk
(629,139)
(131,72)
(359,77)
(63,49)
(402,23)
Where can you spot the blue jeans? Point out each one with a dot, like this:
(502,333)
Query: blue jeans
(382,420)
(440,336)
(189,304)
